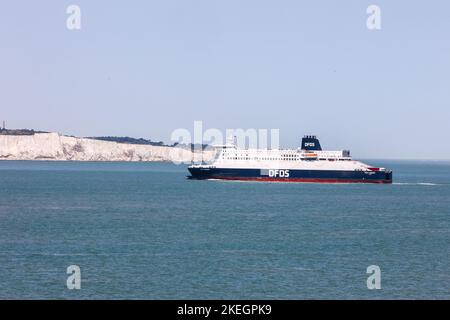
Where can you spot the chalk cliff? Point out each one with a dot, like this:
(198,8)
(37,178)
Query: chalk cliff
(53,146)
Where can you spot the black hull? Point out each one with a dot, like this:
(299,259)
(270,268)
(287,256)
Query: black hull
(290,175)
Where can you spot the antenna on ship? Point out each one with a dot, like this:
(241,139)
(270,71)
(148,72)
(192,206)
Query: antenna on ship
(229,140)
(4,125)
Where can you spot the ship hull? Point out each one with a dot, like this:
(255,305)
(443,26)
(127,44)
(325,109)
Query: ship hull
(291,175)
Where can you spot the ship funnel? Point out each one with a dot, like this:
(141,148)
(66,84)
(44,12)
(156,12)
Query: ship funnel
(311,143)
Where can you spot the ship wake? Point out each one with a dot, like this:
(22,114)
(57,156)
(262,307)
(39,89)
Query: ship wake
(417,184)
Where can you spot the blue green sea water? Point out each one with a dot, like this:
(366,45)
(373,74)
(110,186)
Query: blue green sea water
(143,231)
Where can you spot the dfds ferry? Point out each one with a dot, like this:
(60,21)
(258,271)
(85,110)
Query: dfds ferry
(306,164)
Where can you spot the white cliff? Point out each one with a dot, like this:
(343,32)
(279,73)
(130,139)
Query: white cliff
(53,146)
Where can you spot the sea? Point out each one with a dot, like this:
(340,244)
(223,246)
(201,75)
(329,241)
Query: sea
(143,231)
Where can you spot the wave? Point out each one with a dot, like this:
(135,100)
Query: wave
(417,183)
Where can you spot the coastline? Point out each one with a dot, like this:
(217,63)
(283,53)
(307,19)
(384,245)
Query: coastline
(56,147)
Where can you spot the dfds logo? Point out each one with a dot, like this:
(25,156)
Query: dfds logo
(279,173)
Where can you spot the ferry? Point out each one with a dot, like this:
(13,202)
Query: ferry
(309,163)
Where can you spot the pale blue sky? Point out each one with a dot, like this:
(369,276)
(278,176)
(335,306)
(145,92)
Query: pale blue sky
(145,68)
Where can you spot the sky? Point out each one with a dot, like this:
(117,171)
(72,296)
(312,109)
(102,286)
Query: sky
(147,68)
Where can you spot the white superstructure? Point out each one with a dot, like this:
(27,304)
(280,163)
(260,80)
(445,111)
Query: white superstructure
(230,156)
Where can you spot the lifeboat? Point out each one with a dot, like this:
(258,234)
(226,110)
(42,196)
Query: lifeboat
(311,155)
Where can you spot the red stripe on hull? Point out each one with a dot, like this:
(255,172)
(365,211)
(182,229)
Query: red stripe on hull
(307,180)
